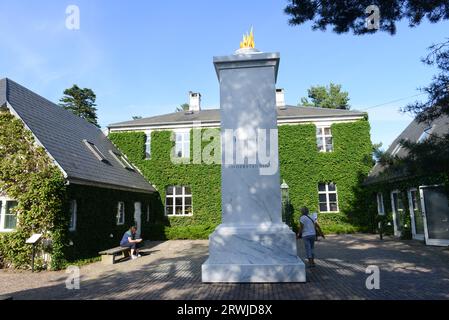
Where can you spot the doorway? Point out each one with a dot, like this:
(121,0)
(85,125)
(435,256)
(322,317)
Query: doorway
(435,205)
(397,205)
(138,218)
(416,214)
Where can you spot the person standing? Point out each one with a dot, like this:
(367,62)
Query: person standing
(308,231)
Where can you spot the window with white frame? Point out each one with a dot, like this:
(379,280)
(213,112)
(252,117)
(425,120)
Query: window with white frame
(148,145)
(324,139)
(178,201)
(73,215)
(426,134)
(327,194)
(380,204)
(396,149)
(182,144)
(121,213)
(8,216)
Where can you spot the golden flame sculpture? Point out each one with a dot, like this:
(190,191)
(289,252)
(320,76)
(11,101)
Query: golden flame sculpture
(248,40)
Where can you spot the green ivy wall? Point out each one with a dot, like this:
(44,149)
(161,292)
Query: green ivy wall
(301,165)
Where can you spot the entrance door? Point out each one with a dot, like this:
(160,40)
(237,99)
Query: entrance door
(435,205)
(398,212)
(138,217)
(416,214)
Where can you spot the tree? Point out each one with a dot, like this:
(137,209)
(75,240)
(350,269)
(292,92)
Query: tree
(81,102)
(349,15)
(430,157)
(183,107)
(327,97)
(437,91)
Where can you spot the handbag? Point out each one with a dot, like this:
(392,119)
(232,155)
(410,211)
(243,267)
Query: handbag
(317,231)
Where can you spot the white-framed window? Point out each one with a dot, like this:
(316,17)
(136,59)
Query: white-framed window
(148,145)
(324,139)
(73,215)
(396,149)
(120,213)
(380,204)
(122,160)
(8,216)
(328,200)
(426,134)
(178,201)
(182,144)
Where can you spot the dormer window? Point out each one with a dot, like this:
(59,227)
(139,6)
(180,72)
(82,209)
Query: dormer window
(122,160)
(396,149)
(425,135)
(96,152)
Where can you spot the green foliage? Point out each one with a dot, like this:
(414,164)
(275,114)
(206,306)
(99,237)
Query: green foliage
(327,97)
(29,176)
(204,180)
(81,262)
(345,16)
(301,165)
(81,102)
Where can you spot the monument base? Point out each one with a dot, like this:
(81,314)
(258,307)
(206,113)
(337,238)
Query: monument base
(253,253)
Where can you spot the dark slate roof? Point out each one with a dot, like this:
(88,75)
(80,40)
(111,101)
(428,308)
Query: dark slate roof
(413,132)
(213,115)
(62,134)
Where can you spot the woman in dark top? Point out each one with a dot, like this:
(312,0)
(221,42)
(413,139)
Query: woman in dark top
(129,240)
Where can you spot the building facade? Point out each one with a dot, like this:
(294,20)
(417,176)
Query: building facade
(324,155)
(415,205)
(80,192)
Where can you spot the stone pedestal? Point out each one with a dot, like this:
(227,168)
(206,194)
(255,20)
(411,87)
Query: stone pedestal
(252,244)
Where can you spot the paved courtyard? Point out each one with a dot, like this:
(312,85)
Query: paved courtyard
(172,270)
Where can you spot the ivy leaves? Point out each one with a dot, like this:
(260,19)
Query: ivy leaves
(28,175)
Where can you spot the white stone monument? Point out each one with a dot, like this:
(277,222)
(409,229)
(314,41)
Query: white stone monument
(252,244)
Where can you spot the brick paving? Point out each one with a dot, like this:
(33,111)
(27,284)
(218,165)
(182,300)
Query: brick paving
(172,270)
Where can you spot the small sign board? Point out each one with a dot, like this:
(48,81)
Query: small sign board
(34,238)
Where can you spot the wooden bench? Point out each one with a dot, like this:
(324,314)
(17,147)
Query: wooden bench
(108,256)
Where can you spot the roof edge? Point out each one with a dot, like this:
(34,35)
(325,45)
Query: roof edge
(91,183)
(122,125)
(36,139)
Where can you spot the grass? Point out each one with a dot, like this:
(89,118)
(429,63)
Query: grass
(81,262)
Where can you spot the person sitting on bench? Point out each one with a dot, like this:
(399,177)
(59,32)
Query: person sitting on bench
(129,241)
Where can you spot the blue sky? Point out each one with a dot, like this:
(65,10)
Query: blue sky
(142,57)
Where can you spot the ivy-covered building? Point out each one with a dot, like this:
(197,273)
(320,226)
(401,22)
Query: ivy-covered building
(414,206)
(324,156)
(62,177)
